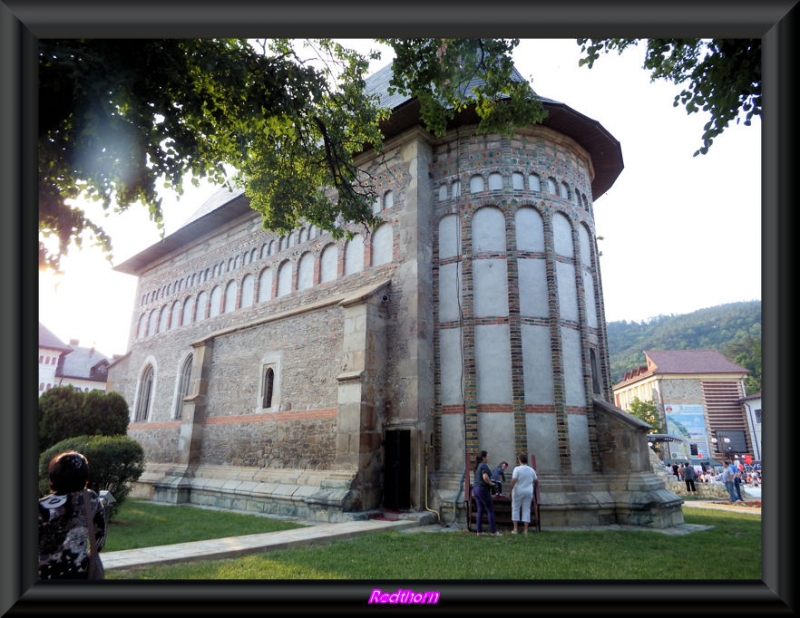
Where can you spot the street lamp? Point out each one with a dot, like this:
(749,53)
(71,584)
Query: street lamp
(728,446)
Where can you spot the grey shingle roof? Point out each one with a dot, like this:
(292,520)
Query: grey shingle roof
(378,83)
(48,340)
(81,362)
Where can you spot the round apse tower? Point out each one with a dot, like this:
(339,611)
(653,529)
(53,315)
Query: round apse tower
(521,353)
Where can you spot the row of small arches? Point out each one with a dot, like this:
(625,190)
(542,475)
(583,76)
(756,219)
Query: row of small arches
(518,183)
(211,304)
(268,249)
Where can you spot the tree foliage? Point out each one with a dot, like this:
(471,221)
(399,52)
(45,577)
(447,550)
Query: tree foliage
(65,412)
(122,119)
(647,412)
(718,76)
(747,353)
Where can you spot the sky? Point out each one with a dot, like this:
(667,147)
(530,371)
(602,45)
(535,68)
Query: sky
(677,233)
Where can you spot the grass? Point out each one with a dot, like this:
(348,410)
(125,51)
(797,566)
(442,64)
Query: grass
(734,539)
(141,523)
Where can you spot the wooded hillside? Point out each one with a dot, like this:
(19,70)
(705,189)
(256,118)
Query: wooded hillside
(733,329)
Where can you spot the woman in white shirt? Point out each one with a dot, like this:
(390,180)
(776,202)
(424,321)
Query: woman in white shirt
(522,481)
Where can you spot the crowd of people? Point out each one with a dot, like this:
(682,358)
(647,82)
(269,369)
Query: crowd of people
(732,474)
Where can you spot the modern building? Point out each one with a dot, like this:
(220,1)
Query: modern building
(298,374)
(698,394)
(752,412)
(61,364)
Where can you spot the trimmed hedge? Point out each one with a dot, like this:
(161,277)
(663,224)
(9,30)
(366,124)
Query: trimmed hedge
(115,463)
(65,412)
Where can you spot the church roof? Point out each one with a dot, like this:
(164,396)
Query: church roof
(603,148)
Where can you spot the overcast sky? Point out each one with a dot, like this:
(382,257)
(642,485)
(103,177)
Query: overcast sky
(679,233)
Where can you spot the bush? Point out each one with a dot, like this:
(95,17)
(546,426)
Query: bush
(115,463)
(106,414)
(65,412)
(57,414)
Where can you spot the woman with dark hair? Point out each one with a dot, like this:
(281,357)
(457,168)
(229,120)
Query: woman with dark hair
(63,528)
(481,489)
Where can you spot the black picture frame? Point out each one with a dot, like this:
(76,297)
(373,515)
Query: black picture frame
(23,22)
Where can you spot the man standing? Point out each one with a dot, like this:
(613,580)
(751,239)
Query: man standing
(727,478)
(689,475)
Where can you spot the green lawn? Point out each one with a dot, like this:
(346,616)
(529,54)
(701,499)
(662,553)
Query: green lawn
(735,539)
(141,523)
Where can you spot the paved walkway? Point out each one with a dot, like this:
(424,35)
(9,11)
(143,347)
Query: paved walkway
(231,547)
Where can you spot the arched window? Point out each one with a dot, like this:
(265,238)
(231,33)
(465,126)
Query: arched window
(382,244)
(141,331)
(188,310)
(202,304)
(145,395)
(354,255)
(216,302)
(517,181)
(248,286)
(152,325)
(495,182)
(476,184)
(305,271)
(388,200)
(329,263)
(230,296)
(183,386)
(285,278)
(176,315)
(265,285)
(595,376)
(267,387)
(163,319)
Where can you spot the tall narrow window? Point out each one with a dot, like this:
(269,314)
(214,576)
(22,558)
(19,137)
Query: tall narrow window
(595,376)
(184,385)
(145,395)
(267,387)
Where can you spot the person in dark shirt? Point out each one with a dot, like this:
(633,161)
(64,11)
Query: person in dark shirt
(481,489)
(499,477)
(63,529)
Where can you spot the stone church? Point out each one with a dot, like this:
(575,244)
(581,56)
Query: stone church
(303,376)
